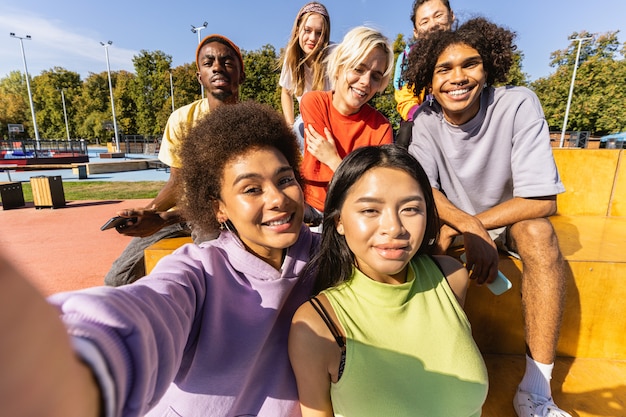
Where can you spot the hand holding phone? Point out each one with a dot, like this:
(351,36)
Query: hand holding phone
(117,222)
(500,285)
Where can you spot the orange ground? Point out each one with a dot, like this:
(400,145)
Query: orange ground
(63,248)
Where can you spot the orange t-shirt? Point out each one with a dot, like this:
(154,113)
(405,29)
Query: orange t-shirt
(367,127)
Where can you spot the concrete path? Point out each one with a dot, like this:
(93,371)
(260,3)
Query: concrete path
(63,249)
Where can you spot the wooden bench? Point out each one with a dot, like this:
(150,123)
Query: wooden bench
(591,226)
(113,166)
(158,165)
(158,250)
(8,168)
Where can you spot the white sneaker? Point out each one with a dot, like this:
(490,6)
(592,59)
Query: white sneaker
(527,404)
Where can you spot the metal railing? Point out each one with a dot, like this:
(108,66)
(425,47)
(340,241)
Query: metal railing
(28,148)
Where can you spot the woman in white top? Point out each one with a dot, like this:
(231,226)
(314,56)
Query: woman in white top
(302,61)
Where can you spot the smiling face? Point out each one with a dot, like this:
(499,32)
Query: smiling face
(432,15)
(310,32)
(262,199)
(219,71)
(458,81)
(356,86)
(383,220)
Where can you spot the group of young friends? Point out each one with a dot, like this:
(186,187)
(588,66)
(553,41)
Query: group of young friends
(263,315)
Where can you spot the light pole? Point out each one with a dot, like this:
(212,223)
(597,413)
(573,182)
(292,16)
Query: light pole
(172,90)
(198,29)
(67,126)
(571,89)
(106,50)
(30,95)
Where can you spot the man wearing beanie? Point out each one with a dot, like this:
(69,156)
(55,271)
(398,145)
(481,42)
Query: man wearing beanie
(220,72)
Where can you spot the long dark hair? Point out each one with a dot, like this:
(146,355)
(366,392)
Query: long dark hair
(335,260)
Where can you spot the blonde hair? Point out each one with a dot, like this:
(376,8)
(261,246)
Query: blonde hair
(293,56)
(352,51)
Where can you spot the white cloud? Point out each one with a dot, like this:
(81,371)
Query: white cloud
(53,44)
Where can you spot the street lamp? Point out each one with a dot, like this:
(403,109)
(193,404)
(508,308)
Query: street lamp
(67,126)
(571,88)
(172,90)
(106,50)
(198,29)
(30,95)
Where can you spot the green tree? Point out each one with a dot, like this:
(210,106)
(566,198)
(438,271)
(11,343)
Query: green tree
(94,108)
(150,90)
(14,106)
(186,85)
(516,75)
(600,87)
(126,112)
(47,88)
(261,82)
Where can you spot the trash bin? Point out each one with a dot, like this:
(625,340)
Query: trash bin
(82,172)
(11,195)
(47,191)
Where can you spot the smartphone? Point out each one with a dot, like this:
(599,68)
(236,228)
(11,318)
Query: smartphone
(500,285)
(117,221)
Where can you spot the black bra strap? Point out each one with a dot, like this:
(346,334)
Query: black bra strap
(317,305)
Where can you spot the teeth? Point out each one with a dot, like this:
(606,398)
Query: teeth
(458,92)
(279,222)
(359,92)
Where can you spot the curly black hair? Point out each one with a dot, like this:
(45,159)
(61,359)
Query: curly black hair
(493,43)
(226,133)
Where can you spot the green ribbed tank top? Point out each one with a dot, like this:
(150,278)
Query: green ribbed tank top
(409,349)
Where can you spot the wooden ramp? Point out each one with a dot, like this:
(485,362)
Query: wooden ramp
(589,378)
(583,387)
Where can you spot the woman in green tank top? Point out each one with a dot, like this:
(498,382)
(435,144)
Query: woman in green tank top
(387,334)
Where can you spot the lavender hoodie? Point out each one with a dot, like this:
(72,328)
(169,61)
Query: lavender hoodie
(205,334)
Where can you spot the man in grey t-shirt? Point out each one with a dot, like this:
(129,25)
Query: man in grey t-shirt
(488,157)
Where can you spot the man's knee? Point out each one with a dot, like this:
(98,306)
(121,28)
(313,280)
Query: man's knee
(537,232)
(536,240)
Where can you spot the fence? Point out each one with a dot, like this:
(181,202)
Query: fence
(137,144)
(28,148)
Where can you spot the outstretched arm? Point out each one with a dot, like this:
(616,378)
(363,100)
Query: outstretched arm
(41,375)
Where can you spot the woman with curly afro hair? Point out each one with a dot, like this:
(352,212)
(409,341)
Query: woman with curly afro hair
(488,156)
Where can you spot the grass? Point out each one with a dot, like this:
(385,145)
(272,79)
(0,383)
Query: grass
(101,190)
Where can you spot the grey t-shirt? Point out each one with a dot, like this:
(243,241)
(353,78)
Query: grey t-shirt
(503,152)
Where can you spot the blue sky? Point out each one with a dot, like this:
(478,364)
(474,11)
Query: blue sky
(67,33)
